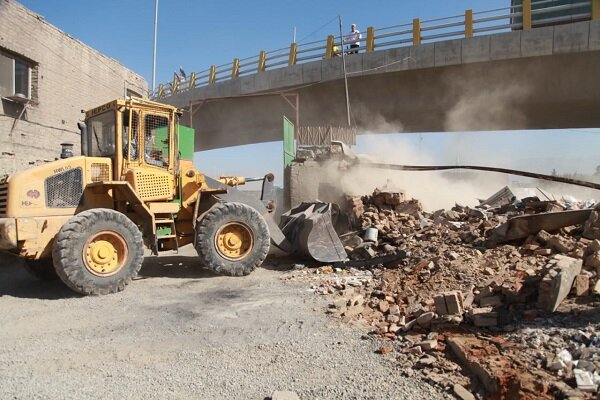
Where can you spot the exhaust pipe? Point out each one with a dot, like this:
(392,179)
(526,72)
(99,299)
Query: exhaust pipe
(84,138)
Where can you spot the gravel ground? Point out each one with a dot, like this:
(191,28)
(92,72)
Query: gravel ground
(182,332)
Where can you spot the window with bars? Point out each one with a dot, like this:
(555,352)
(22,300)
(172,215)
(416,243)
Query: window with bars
(131,125)
(156,140)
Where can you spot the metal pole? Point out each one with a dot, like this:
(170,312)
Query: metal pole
(344,68)
(294,41)
(154,52)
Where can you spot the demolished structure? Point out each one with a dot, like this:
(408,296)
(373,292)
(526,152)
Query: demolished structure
(470,303)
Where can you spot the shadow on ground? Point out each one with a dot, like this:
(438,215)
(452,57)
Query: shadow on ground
(175,266)
(15,281)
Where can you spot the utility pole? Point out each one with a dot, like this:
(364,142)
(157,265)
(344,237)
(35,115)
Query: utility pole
(154,52)
(344,68)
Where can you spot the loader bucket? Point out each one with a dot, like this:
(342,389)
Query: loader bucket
(309,228)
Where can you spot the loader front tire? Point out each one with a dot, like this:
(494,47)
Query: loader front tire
(98,251)
(43,269)
(232,239)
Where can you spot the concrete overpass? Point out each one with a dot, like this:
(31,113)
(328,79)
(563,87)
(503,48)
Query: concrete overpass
(527,78)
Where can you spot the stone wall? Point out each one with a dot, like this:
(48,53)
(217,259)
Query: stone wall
(67,76)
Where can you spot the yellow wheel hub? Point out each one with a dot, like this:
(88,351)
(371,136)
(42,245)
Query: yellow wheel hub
(105,253)
(234,241)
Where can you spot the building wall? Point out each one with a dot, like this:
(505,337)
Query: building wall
(67,76)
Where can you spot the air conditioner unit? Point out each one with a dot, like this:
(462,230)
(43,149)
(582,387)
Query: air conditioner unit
(19,97)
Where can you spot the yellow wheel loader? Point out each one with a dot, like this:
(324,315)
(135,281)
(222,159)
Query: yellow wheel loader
(88,218)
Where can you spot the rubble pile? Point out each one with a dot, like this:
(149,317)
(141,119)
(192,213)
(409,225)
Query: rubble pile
(470,312)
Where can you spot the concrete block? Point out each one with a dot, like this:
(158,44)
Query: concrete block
(311,72)
(476,49)
(422,56)
(594,40)
(571,38)
(331,69)
(557,282)
(447,52)
(354,64)
(505,45)
(440,305)
(285,77)
(284,395)
(398,59)
(374,62)
(537,42)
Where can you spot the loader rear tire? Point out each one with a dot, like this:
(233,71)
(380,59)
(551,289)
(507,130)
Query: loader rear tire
(42,269)
(98,251)
(232,239)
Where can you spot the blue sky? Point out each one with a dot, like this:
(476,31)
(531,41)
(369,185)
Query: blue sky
(195,34)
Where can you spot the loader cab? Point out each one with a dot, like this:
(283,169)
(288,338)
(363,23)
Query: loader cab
(137,134)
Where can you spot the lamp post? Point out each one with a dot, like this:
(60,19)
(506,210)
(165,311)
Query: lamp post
(154,51)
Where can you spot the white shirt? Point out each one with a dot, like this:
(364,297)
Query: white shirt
(353,38)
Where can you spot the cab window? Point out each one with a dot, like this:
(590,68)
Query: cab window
(156,140)
(101,134)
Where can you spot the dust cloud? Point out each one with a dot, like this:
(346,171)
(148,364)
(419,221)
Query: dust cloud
(481,102)
(435,190)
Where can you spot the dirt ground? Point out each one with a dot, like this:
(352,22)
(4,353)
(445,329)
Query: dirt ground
(179,331)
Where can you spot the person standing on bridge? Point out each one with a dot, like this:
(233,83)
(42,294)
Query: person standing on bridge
(353,38)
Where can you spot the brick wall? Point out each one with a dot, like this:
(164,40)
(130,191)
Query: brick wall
(68,76)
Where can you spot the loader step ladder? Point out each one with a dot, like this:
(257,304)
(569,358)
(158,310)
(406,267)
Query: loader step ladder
(166,233)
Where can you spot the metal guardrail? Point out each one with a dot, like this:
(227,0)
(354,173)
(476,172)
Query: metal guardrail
(465,25)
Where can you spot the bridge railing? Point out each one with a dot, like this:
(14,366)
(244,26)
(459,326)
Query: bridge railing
(527,14)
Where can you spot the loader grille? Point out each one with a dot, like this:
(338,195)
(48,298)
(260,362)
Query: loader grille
(3,199)
(64,190)
(152,186)
(99,172)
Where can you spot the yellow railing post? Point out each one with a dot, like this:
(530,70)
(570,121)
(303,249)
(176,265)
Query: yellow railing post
(175,85)
(235,69)
(262,61)
(212,75)
(329,47)
(192,81)
(526,15)
(161,91)
(293,54)
(416,31)
(469,23)
(370,38)
(595,9)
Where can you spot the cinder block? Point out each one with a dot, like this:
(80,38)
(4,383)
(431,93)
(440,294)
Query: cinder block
(447,52)
(423,55)
(398,59)
(594,41)
(537,42)
(571,38)
(505,45)
(476,49)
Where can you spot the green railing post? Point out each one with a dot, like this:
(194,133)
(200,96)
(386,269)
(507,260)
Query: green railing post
(262,61)
(416,31)
(235,69)
(469,23)
(370,38)
(293,54)
(329,48)
(212,75)
(526,15)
